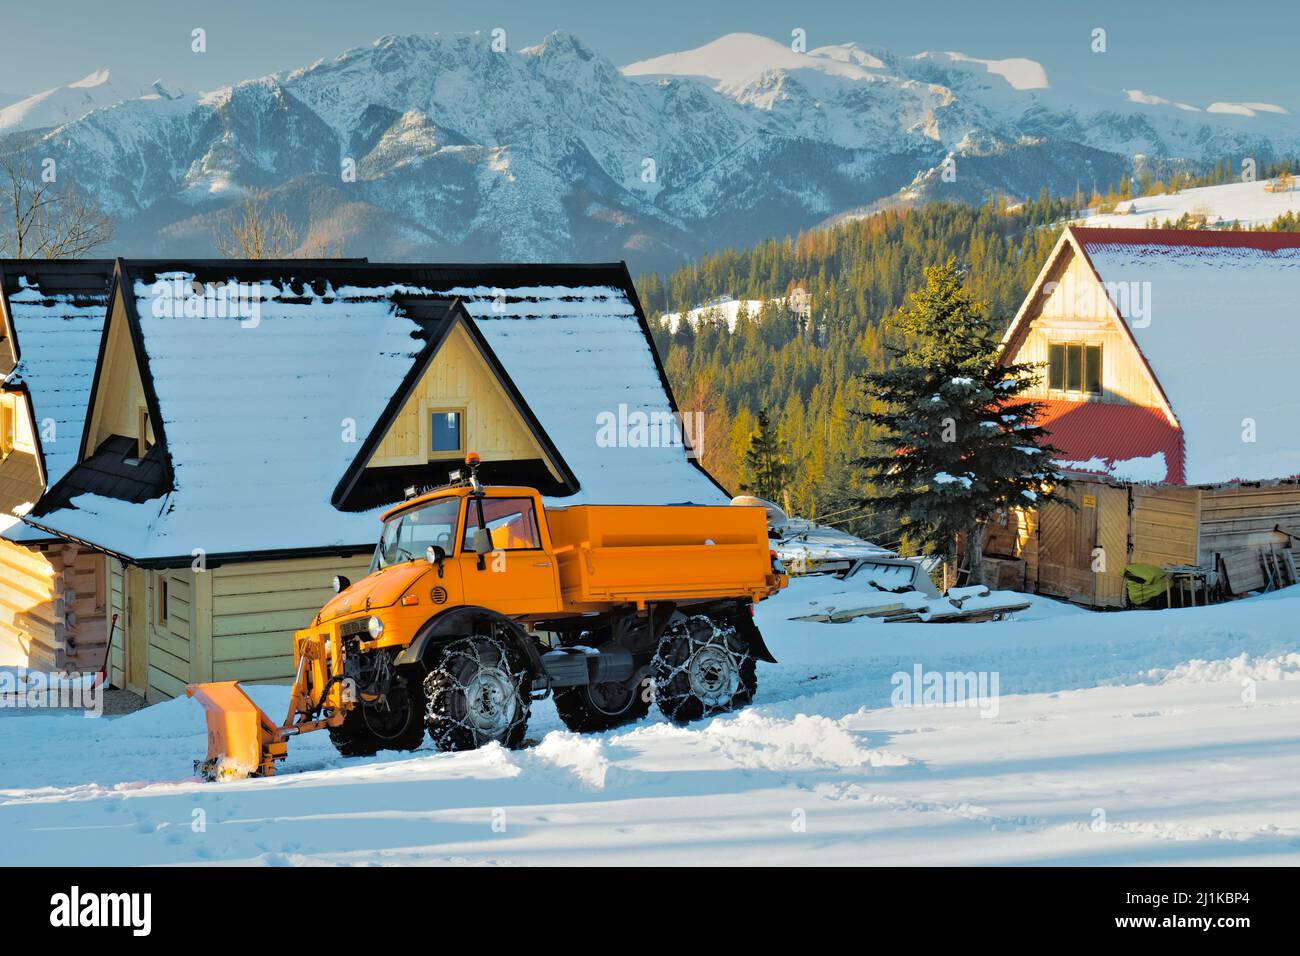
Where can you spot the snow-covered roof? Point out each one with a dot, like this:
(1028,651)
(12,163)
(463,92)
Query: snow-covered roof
(264,408)
(1214,315)
(57,311)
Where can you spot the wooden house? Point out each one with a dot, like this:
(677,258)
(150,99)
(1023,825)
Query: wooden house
(1169,368)
(52,592)
(248,420)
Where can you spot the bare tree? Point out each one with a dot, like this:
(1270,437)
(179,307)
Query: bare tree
(44,218)
(254,230)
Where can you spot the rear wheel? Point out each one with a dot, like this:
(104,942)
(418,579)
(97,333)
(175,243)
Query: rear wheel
(595,707)
(395,723)
(702,667)
(477,692)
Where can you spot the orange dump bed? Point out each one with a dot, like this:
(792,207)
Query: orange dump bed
(639,553)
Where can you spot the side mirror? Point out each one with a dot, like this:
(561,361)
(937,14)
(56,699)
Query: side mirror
(341,584)
(482,541)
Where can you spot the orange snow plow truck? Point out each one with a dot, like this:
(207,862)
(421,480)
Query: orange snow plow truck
(481,600)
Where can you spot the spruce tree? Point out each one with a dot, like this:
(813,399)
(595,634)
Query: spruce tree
(765,466)
(956,440)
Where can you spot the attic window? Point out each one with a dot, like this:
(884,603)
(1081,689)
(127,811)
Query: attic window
(1074,368)
(446,432)
(8,426)
(142,435)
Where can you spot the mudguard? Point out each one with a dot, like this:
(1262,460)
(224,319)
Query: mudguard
(457,622)
(749,630)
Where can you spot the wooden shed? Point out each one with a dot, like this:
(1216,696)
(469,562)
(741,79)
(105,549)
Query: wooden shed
(1229,530)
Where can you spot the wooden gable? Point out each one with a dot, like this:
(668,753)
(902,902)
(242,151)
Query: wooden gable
(459,379)
(119,404)
(1070,305)
(22,479)
(456,372)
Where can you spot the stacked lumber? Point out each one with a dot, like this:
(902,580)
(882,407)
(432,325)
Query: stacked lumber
(1264,568)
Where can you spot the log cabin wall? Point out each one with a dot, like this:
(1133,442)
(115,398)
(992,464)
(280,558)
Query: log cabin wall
(52,605)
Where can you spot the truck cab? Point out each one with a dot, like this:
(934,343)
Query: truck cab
(511,568)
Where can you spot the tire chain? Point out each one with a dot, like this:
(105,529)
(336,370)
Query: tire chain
(665,671)
(465,648)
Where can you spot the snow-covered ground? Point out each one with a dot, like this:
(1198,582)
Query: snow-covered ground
(1123,738)
(1247,203)
(725,310)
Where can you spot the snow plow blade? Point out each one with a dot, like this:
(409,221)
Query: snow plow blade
(242,740)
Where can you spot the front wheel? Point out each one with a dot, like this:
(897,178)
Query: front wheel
(394,723)
(477,692)
(702,667)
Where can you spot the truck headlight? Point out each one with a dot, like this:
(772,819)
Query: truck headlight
(375,627)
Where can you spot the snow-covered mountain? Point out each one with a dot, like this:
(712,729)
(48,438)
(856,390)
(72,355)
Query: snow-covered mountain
(63,104)
(554,152)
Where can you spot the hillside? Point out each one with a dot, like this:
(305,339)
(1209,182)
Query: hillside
(804,371)
(1249,204)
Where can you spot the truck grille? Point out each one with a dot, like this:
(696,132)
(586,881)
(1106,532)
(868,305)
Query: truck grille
(359,626)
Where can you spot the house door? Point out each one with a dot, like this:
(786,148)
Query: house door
(137,637)
(1112,540)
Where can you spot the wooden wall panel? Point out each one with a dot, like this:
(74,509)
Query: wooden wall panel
(1164,524)
(1243,517)
(256,607)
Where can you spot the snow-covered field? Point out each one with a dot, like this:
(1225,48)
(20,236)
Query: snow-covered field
(1247,203)
(1125,738)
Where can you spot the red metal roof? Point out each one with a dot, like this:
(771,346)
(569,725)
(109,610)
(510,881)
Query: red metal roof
(1113,432)
(1206,238)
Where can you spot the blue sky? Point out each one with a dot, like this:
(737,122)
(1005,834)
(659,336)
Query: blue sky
(1195,51)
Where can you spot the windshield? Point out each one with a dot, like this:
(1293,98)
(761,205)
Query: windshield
(407,535)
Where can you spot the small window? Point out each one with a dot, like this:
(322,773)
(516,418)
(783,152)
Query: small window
(1074,368)
(445,432)
(142,435)
(160,602)
(8,426)
(512,523)
(1056,367)
(1092,369)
